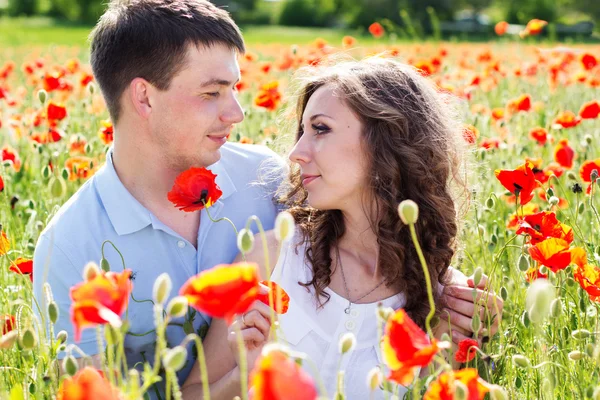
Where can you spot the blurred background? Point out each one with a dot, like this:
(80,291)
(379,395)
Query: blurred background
(576,20)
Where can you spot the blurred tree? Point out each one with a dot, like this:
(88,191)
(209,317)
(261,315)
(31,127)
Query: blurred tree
(22,7)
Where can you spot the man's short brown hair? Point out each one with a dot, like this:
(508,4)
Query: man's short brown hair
(149,39)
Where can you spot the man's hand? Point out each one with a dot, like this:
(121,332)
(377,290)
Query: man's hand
(461,306)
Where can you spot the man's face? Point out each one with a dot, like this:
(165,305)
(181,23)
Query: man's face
(193,118)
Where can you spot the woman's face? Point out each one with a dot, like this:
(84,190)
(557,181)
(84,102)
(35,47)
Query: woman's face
(330,153)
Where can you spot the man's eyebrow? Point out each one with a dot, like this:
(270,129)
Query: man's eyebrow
(217,81)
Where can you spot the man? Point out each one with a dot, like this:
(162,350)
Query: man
(167,70)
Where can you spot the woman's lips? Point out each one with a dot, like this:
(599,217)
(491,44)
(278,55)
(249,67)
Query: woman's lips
(308,179)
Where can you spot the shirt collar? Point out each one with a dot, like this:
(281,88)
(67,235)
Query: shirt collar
(126,213)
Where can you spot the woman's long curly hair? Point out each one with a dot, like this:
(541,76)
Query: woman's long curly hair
(414,149)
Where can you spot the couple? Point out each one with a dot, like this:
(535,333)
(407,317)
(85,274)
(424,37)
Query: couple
(368,136)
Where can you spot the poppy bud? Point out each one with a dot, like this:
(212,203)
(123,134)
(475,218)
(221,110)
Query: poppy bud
(490,203)
(503,293)
(90,271)
(475,323)
(525,319)
(7,340)
(477,275)
(374,378)
(47,292)
(175,358)
(581,209)
(408,211)
(70,365)
(177,307)
(540,295)
(594,175)
(580,334)
(589,350)
(460,391)
(284,226)
(91,88)
(549,192)
(162,288)
(385,313)
(553,200)
(245,241)
(28,340)
(347,343)
(523,262)
(588,138)
(57,187)
(571,176)
(104,264)
(46,172)
(64,173)
(62,336)
(555,308)
(42,96)
(497,393)
(576,355)
(521,360)
(53,312)
(39,225)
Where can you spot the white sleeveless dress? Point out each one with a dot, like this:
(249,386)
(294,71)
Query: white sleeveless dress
(317,331)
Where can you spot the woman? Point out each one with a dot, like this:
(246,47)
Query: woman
(369,135)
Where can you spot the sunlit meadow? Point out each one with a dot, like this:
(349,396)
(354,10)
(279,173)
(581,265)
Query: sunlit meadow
(530,110)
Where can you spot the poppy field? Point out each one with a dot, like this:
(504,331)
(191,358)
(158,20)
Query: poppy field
(531,113)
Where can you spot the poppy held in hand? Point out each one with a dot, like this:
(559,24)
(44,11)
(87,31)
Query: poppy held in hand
(281,300)
(194,189)
(224,290)
(405,347)
(100,300)
(520,181)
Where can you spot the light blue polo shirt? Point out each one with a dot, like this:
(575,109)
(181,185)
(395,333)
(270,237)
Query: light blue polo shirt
(103,209)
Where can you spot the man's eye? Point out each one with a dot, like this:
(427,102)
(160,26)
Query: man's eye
(213,94)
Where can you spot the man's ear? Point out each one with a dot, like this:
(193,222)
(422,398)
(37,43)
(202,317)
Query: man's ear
(140,95)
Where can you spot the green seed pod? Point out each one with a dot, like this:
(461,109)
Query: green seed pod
(162,288)
(523,262)
(104,265)
(581,208)
(460,391)
(521,361)
(589,350)
(525,319)
(28,339)
(42,96)
(62,336)
(64,173)
(549,193)
(70,365)
(175,358)
(477,275)
(53,312)
(490,203)
(57,187)
(556,308)
(494,238)
(245,241)
(498,393)
(503,293)
(518,382)
(284,226)
(571,176)
(581,334)
(408,211)
(476,323)
(576,355)
(32,388)
(177,307)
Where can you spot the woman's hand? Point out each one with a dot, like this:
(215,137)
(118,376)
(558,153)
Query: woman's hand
(255,325)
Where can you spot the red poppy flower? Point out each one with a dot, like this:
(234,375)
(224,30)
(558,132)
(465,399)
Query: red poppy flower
(544,225)
(588,277)
(87,384)
(86,79)
(444,387)
(52,82)
(224,290)
(405,348)
(552,253)
(501,28)
(80,167)
(497,113)
(376,30)
(348,41)
(470,133)
(100,300)
(51,136)
(4,243)
(564,154)
(10,154)
(515,218)
(521,103)
(281,300)
(588,61)
(539,134)
(467,350)
(106,133)
(277,377)
(534,273)
(520,181)
(566,119)
(534,27)
(590,110)
(490,143)
(8,322)
(268,96)
(56,112)
(194,189)
(77,144)
(586,169)
(22,266)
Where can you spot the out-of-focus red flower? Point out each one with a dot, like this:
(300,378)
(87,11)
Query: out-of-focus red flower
(106,132)
(100,300)
(520,181)
(467,350)
(497,113)
(277,377)
(10,154)
(77,144)
(56,112)
(268,96)
(8,322)
(534,27)
(534,273)
(376,30)
(1,184)
(80,167)
(539,134)
(490,143)
(586,169)
(544,225)
(348,41)
(470,133)
(22,266)
(53,135)
(195,189)
(590,110)
(224,290)
(500,28)
(564,154)
(588,61)
(566,119)
(405,347)
(4,243)
(588,277)
(521,103)
(87,384)
(281,300)
(444,387)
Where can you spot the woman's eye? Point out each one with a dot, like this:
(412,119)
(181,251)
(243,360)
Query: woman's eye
(320,129)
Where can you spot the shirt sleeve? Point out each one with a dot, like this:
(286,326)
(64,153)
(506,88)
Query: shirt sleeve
(53,265)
